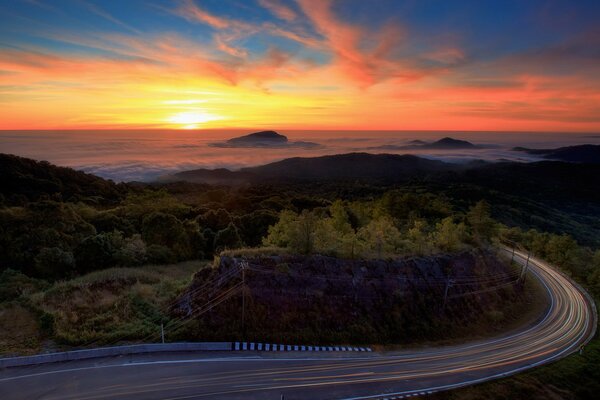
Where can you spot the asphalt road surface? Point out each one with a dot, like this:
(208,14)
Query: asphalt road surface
(567,323)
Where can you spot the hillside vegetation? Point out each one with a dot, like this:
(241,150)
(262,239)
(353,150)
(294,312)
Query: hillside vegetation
(76,251)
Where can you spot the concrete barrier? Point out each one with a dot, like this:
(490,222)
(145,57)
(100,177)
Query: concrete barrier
(113,351)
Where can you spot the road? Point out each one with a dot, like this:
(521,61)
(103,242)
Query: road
(567,323)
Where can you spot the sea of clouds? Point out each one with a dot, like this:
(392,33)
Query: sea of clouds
(148,155)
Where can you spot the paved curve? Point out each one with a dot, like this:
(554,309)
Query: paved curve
(568,322)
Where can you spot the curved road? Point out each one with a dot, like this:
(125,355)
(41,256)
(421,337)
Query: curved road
(568,323)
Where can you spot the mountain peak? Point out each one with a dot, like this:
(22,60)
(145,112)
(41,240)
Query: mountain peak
(262,136)
(451,142)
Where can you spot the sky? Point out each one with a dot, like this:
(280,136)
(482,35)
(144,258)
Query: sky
(300,64)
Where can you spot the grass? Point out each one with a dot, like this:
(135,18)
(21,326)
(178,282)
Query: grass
(102,307)
(21,333)
(251,252)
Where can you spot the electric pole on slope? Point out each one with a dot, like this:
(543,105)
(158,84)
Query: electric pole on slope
(525,267)
(243,299)
(449,284)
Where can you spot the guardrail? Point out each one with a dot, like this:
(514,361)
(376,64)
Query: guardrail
(113,351)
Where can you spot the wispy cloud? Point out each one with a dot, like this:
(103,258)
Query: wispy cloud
(279,9)
(104,14)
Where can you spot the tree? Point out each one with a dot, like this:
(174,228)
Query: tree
(196,239)
(157,254)
(380,236)
(215,220)
(482,224)
(449,235)
(340,220)
(419,242)
(133,252)
(594,277)
(228,238)
(54,262)
(94,252)
(166,230)
(561,250)
(302,237)
(280,233)
(255,226)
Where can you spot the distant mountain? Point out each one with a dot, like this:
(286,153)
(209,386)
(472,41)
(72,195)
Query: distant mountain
(585,153)
(266,137)
(537,179)
(391,167)
(210,176)
(263,139)
(446,143)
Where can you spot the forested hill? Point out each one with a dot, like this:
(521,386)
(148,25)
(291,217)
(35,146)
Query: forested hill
(551,196)
(389,167)
(23,179)
(547,179)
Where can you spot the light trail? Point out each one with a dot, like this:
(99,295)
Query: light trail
(568,323)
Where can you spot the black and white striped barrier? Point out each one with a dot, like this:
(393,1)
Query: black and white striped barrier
(408,395)
(251,346)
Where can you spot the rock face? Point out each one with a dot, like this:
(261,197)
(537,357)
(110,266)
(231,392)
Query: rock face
(325,299)
(263,137)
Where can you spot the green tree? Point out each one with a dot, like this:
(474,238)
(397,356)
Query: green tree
(132,252)
(561,250)
(448,235)
(215,219)
(95,252)
(228,238)
(255,226)
(54,262)
(418,239)
(481,223)
(281,232)
(380,236)
(166,230)
(303,232)
(594,277)
(196,239)
(340,220)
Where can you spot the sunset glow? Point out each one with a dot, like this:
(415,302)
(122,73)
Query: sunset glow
(299,65)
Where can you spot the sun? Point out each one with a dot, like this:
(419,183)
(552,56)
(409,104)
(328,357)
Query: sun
(192,119)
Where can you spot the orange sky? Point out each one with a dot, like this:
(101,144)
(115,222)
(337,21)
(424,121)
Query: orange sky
(297,65)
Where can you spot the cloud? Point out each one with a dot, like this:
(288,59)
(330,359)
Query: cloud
(364,55)
(104,14)
(292,64)
(279,9)
(190,11)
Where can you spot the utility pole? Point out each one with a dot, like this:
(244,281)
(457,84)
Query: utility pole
(525,267)
(162,332)
(243,299)
(449,283)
